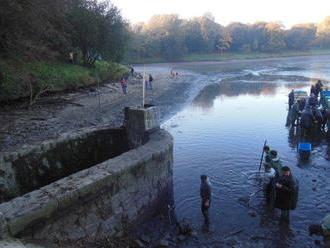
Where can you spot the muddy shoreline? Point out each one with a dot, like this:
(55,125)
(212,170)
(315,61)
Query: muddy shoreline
(54,115)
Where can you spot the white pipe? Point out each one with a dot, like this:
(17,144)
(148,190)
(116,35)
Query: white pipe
(143,86)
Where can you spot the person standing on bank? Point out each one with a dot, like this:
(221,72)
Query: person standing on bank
(205,192)
(123,83)
(150,81)
(286,193)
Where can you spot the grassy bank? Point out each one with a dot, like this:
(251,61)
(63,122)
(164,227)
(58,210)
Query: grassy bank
(20,77)
(232,56)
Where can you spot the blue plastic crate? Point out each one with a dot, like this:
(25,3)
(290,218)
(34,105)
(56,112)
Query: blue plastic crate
(326,93)
(306,147)
(304,150)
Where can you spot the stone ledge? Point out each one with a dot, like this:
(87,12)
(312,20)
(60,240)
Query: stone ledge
(36,166)
(30,209)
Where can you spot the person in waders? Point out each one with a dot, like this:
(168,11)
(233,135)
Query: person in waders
(276,163)
(291,98)
(322,229)
(205,192)
(268,181)
(286,194)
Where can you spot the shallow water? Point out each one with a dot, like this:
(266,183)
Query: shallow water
(221,134)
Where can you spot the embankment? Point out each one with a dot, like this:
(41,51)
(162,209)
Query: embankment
(22,79)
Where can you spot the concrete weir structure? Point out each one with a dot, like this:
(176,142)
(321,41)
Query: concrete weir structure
(95,182)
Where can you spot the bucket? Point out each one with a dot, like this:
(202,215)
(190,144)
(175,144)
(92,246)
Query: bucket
(304,150)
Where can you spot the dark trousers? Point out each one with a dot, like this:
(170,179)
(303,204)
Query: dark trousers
(124,89)
(285,215)
(205,212)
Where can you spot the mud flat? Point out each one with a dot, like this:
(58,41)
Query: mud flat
(55,115)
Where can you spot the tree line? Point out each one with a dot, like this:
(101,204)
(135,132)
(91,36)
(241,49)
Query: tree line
(52,29)
(170,37)
(92,29)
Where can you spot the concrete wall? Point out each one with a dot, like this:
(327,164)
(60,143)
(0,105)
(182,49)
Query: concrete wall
(140,121)
(33,167)
(107,198)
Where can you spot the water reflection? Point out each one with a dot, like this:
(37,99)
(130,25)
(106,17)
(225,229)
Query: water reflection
(205,98)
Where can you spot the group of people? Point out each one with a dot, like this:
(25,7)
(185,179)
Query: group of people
(124,81)
(281,190)
(316,89)
(315,93)
(305,111)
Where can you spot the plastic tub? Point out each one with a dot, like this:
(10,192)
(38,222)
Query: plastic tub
(304,150)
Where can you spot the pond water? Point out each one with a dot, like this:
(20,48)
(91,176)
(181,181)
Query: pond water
(221,134)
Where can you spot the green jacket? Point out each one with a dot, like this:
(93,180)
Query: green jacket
(268,155)
(277,166)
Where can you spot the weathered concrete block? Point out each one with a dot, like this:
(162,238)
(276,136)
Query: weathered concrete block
(139,121)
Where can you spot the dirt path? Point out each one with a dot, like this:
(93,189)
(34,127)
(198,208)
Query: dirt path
(53,116)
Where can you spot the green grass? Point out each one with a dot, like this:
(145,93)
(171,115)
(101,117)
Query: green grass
(231,56)
(55,76)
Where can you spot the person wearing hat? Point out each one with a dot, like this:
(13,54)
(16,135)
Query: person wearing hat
(205,192)
(276,163)
(285,193)
(267,151)
(322,229)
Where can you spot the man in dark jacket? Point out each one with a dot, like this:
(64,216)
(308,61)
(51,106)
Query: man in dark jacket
(285,190)
(306,121)
(318,88)
(205,192)
(312,100)
(291,99)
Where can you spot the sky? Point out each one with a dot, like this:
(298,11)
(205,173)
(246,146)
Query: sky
(289,12)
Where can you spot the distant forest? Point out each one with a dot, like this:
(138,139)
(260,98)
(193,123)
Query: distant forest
(51,29)
(170,37)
